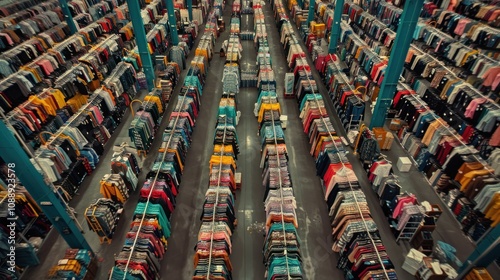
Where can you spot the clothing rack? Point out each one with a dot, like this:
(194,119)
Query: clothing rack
(346,79)
(69,71)
(172,133)
(454,134)
(72,119)
(14,112)
(217,193)
(454,75)
(348,180)
(148,199)
(94,48)
(281,196)
(216,200)
(428,23)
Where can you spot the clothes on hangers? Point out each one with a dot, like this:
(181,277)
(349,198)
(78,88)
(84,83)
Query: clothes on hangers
(77,263)
(102,217)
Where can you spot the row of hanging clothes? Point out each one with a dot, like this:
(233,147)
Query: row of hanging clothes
(470,61)
(142,251)
(231,76)
(123,179)
(372,30)
(147,119)
(281,249)
(470,186)
(235,23)
(31,25)
(168,77)
(360,58)
(178,54)
(50,109)
(72,152)
(292,48)
(157,37)
(219,215)
(477,33)
(423,123)
(439,150)
(445,84)
(67,49)
(473,11)
(204,53)
(343,195)
(77,264)
(212,251)
(367,146)
(29,12)
(30,223)
(32,5)
(122,81)
(346,99)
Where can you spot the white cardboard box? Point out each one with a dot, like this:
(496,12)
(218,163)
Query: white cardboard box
(284,121)
(404,164)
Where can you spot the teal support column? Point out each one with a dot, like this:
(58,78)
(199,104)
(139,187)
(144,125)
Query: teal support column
(310,15)
(335,33)
(21,167)
(190,9)
(68,16)
(172,22)
(409,18)
(487,251)
(142,42)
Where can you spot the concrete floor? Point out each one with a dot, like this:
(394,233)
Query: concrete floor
(318,260)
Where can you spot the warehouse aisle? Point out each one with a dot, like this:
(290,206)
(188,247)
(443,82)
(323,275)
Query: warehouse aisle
(89,191)
(319,262)
(248,238)
(185,221)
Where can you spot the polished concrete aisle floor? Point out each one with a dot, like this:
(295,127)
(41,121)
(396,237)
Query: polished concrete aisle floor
(248,238)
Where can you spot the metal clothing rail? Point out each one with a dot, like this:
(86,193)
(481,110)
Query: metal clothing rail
(279,173)
(344,166)
(347,82)
(281,196)
(216,201)
(218,188)
(96,47)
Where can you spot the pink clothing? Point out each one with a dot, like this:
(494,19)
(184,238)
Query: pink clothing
(469,112)
(490,76)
